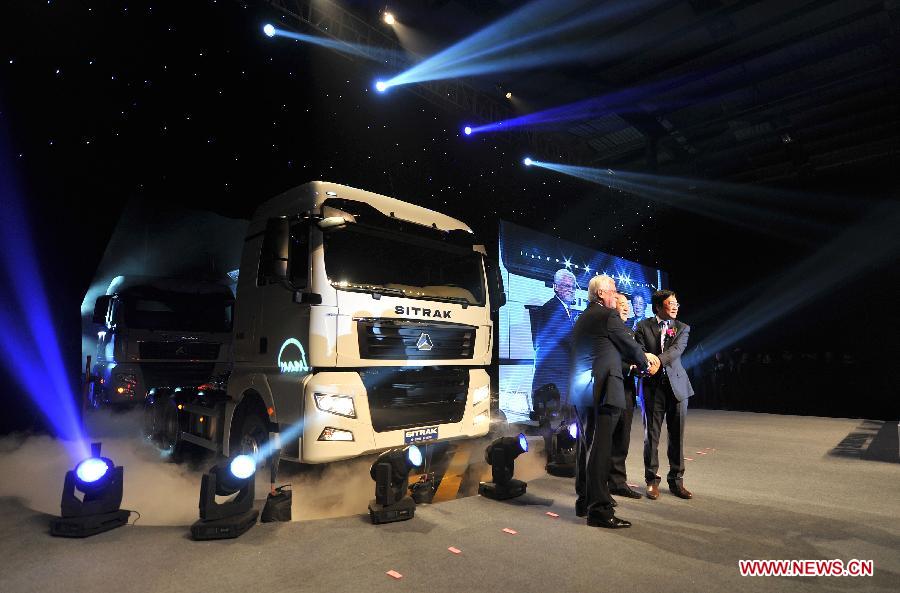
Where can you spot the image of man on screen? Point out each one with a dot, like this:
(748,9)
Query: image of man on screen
(551,324)
(638,307)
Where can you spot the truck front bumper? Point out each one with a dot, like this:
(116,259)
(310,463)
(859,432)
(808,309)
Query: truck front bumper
(330,436)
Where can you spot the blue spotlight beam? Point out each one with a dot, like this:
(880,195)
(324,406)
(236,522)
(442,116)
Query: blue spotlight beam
(271,447)
(525,39)
(834,264)
(748,214)
(369,52)
(28,337)
(628,100)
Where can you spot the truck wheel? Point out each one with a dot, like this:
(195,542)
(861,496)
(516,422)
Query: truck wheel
(168,430)
(250,434)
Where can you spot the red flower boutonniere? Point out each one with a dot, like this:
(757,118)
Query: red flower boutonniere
(670,332)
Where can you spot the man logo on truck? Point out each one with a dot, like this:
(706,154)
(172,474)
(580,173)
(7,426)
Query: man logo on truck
(424,342)
(292,357)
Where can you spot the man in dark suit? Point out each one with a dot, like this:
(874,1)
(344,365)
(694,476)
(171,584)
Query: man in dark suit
(621,438)
(551,326)
(666,392)
(599,345)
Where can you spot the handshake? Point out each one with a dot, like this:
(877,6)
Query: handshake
(654,366)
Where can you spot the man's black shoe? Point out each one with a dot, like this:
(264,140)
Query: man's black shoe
(626,492)
(610,523)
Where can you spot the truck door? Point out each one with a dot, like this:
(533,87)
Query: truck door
(283,336)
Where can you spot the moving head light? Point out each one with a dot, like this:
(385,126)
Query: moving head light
(391,474)
(501,455)
(100,482)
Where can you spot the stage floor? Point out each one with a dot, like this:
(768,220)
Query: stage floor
(766,487)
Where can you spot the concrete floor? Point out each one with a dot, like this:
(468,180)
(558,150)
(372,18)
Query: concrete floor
(768,487)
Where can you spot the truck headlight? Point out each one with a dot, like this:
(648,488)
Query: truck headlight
(480,394)
(342,405)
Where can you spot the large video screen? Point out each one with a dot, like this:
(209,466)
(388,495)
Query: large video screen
(546,282)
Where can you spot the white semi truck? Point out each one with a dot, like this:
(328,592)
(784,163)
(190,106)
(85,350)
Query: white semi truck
(158,331)
(361,323)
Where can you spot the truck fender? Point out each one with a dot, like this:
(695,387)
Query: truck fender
(254,385)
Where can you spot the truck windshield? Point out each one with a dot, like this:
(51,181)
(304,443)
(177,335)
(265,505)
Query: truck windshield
(173,311)
(377,261)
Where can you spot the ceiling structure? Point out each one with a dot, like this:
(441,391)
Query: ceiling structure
(755,91)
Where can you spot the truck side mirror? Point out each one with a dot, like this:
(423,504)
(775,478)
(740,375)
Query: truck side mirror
(273,257)
(495,284)
(101,309)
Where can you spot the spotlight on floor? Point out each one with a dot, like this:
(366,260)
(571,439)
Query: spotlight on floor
(100,482)
(389,18)
(381,86)
(527,161)
(391,474)
(269,30)
(467,130)
(501,455)
(561,453)
(233,517)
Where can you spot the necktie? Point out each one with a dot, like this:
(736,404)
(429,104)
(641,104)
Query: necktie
(663,326)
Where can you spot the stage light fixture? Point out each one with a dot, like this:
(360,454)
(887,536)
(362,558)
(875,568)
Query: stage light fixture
(100,482)
(527,161)
(269,30)
(389,18)
(501,455)
(508,95)
(381,86)
(391,474)
(561,454)
(467,130)
(235,516)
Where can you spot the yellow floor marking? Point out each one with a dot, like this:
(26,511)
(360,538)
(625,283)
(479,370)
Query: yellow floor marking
(453,476)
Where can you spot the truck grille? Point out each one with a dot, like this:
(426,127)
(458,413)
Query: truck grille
(406,398)
(398,339)
(178,350)
(176,374)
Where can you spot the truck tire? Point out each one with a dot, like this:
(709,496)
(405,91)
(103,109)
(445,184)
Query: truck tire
(249,434)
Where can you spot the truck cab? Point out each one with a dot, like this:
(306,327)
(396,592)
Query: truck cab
(156,332)
(361,323)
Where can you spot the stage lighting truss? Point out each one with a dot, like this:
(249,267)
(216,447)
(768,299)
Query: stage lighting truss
(501,455)
(229,519)
(100,481)
(391,474)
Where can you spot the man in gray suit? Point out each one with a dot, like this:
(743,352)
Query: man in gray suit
(666,392)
